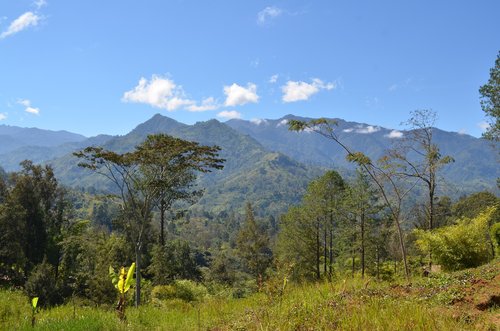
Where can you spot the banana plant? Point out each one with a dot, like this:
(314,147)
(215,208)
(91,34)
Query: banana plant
(34,304)
(122,282)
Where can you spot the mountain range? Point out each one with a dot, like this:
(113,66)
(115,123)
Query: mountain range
(266,164)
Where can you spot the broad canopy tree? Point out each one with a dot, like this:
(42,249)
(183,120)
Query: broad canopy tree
(159,171)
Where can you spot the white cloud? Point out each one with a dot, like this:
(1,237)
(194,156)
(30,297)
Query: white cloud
(24,102)
(393,87)
(258,121)
(21,23)
(273,79)
(160,93)
(268,13)
(32,110)
(368,129)
(207,104)
(282,123)
(3,116)
(29,109)
(299,91)
(40,3)
(483,126)
(238,95)
(229,114)
(394,134)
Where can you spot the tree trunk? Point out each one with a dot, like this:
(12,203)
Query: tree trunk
(318,253)
(402,245)
(363,245)
(325,252)
(378,262)
(137,275)
(162,222)
(431,214)
(331,255)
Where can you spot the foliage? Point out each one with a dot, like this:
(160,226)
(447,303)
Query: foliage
(495,237)
(459,246)
(173,261)
(490,101)
(42,284)
(253,246)
(182,289)
(472,205)
(122,282)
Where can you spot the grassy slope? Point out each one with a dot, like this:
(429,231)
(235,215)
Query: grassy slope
(468,300)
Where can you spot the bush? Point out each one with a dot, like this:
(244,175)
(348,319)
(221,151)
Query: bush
(42,284)
(495,238)
(185,290)
(463,245)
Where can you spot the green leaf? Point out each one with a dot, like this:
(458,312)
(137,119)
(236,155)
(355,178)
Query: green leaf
(113,276)
(130,277)
(34,302)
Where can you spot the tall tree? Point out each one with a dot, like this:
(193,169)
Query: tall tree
(384,179)
(139,187)
(490,101)
(252,245)
(363,205)
(418,156)
(169,165)
(325,196)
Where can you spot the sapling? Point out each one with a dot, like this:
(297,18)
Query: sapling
(122,282)
(34,303)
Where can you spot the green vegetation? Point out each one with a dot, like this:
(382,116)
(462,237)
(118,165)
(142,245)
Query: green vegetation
(458,301)
(384,249)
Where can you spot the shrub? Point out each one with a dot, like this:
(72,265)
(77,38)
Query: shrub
(185,290)
(41,283)
(495,237)
(459,246)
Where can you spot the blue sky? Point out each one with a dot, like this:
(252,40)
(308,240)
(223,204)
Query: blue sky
(105,66)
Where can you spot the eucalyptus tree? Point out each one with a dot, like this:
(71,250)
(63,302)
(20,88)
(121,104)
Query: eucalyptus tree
(393,192)
(417,156)
(140,186)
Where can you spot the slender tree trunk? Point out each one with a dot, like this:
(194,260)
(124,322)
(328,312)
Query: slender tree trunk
(402,245)
(377,254)
(325,251)
(318,253)
(162,222)
(431,214)
(353,255)
(137,274)
(331,255)
(363,245)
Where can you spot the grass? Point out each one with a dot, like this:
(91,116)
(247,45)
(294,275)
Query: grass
(440,302)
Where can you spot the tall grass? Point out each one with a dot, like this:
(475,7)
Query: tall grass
(353,304)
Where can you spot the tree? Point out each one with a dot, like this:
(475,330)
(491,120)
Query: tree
(307,232)
(362,204)
(325,196)
(252,245)
(384,178)
(169,166)
(139,186)
(31,219)
(417,156)
(490,102)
